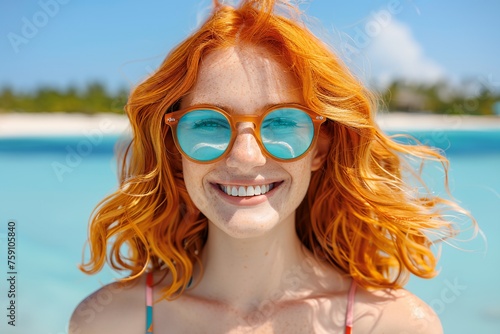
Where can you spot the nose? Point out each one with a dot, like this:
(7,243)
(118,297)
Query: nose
(245,153)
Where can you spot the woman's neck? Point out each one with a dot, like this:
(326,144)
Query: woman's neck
(244,273)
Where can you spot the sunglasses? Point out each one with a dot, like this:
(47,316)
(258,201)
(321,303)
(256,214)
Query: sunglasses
(205,133)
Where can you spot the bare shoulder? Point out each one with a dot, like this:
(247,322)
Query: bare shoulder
(394,311)
(114,308)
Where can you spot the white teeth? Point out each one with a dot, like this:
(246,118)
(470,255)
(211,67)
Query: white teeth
(258,191)
(250,191)
(242,191)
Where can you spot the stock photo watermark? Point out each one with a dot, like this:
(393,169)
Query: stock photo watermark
(76,154)
(291,282)
(31,25)
(454,118)
(373,26)
(9,247)
(91,307)
(448,295)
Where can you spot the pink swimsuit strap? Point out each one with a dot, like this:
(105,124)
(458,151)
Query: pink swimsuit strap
(350,307)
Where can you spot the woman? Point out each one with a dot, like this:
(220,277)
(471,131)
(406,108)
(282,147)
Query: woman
(259,196)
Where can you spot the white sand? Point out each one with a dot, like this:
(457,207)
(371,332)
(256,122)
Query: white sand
(405,121)
(50,124)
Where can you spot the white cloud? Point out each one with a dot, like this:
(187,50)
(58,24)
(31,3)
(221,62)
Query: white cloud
(395,53)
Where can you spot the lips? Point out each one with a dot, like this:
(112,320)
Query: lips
(247,191)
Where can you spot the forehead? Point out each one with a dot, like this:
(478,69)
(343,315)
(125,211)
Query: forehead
(243,80)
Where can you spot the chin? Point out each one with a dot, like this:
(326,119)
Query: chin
(243,228)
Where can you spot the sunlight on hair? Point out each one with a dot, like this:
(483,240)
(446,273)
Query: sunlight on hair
(361,214)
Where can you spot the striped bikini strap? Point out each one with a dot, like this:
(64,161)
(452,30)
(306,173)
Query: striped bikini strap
(149,303)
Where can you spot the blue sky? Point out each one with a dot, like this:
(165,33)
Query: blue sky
(73,42)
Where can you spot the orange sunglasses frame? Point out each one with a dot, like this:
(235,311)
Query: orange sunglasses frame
(172,119)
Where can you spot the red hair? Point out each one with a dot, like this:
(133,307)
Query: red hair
(359,214)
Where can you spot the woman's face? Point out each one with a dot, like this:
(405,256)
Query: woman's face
(244,80)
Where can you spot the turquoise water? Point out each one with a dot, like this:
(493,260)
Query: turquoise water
(49,187)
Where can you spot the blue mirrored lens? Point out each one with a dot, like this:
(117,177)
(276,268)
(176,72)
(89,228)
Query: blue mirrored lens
(203,134)
(287,132)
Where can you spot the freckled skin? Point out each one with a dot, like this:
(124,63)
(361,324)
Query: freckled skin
(257,277)
(244,80)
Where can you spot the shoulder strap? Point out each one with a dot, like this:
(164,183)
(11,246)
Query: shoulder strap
(350,307)
(149,303)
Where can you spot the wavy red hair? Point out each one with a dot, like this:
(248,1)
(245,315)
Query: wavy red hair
(359,213)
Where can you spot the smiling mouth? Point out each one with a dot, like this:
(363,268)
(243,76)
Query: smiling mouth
(248,191)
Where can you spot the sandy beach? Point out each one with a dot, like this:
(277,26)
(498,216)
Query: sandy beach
(62,124)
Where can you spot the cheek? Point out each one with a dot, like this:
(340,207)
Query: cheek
(193,174)
(300,171)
